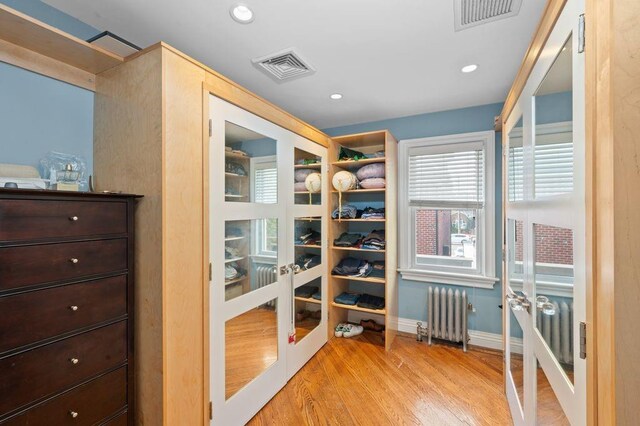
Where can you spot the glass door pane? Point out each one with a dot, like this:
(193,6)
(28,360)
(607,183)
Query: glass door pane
(308,308)
(548,409)
(307,178)
(515,163)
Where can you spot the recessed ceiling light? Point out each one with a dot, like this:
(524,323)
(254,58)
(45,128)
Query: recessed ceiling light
(469,68)
(241,13)
(336,96)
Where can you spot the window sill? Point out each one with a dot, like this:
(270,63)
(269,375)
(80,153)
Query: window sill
(475,281)
(261,258)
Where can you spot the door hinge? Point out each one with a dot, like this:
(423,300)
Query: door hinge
(583,340)
(581,34)
(210,411)
(210,273)
(210,128)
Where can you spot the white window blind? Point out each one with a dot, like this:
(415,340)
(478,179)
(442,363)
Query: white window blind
(553,169)
(516,173)
(447,179)
(266,185)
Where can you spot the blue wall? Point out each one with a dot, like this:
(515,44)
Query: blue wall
(39,114)
(413,294)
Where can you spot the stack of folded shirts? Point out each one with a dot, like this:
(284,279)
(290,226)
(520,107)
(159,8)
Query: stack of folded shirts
(378,270)
(306,291)
(307,261)
(348,240)
(369,301)
(374,241)
(308,237)
(372,213)
(347,298)
(347,212)
(235,168)
(372,176)
(232,271)
(352,267)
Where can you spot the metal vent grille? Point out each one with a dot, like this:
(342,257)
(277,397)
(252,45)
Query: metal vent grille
(470,13)
(284,65)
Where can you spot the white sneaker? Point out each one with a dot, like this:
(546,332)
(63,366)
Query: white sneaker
(340,329)
(352,330)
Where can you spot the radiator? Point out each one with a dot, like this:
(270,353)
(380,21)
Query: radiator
(446,316)
(557,331)
(265,275)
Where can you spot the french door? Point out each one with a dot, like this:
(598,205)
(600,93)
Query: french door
(260,332)
(545,234)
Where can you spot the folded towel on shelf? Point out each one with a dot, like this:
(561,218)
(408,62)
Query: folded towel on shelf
(369,301)
(347,298)
(306,291)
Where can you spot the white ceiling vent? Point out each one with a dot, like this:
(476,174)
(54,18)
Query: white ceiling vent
(284,65)
(469,13)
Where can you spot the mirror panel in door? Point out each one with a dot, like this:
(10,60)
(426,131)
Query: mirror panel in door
(553,147)
(251,252)
(307,184)
(308,308)
(516,364)
(515,249)
(548,409)
(515,167)
(553,267)
(251,173)
(251,346)
(308,243)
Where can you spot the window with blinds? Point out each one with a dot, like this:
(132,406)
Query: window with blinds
(447,179)
(266,185)
(553,167)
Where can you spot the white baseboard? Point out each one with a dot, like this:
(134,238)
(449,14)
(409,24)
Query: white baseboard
(476,338)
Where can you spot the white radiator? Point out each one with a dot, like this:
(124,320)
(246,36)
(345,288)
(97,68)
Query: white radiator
(446,316)
(557,330)
(265,275)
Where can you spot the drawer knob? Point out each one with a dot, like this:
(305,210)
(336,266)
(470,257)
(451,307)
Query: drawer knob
(73,260)
(73,307)
(73,218)
(73,414)
(74,361)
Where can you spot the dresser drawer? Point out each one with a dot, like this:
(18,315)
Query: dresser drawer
(34,316)
(91,403)
(50,369)
(27,265)
(37,219)
(121,420)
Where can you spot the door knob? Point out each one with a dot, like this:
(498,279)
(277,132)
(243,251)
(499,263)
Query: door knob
(543,304)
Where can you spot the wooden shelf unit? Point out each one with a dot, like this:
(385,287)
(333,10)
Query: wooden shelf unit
(367,143)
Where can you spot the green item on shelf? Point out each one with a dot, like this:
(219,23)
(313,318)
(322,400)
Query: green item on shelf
(350,154)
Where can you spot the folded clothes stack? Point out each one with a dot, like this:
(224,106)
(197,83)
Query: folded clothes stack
(372,176)
(306,291)
(347,298)
(352,267)
(233,271)
(307,261)
(367,301)
(372,213)
(347,212)
(308,161)
(308,237)
(347,239)
(378,270)
(235,168)
(374,240)
(231,252)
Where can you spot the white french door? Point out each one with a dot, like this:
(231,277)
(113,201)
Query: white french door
(545,234)
(260,332)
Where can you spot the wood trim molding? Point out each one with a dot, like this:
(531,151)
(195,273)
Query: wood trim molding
(549,17)
(29,60)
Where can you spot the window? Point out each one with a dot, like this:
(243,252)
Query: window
(446,211)
(264,175)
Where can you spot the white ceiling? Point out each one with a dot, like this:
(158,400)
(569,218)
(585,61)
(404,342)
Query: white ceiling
(389,58)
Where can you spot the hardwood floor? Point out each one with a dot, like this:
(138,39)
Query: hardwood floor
(355,382)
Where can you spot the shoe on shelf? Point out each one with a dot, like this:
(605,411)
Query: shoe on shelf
(316,314)
(302,315)
(371,325)
(339,331)
(352,330)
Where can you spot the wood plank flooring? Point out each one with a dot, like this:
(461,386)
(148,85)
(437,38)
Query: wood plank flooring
(355,382)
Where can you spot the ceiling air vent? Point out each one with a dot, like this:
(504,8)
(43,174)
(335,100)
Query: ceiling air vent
(284,65)
(469,13)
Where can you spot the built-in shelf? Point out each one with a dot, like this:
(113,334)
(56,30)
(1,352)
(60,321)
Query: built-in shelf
(308,166)
(308,300)
(235,196)
(313,246)
(363,279)
(236,280)
(307,192)
(351,164)
(241,237)
(363,190)
(359,220)
(235,175)
(235,259)
(309,219)
(359,309)
(358,249)
(236,156)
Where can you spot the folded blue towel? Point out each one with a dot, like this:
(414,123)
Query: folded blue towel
(347,298)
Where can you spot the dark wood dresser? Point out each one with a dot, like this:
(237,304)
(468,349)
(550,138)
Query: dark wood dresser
(66,308)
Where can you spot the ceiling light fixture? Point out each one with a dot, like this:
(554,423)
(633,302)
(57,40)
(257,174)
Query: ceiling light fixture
(336,96)
(241,13)
(469,68)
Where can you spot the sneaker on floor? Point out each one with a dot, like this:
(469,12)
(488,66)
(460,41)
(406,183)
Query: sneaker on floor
(352,330)
(339,331)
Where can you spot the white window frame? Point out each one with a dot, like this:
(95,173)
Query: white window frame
(485,228)
(260,254)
